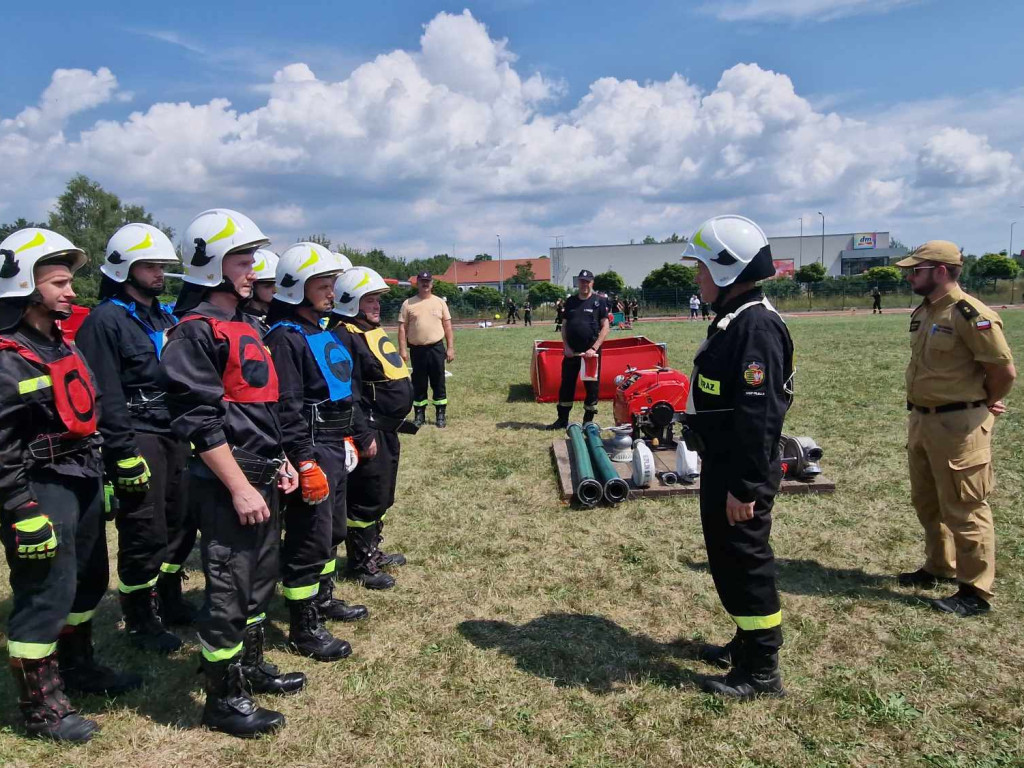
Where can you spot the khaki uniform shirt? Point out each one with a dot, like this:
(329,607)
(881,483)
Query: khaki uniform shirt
(423,320)
(950,340)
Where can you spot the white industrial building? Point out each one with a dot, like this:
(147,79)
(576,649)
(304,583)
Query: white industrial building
(845,254)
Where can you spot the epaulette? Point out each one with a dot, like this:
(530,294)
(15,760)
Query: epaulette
(967,309)
(353,328)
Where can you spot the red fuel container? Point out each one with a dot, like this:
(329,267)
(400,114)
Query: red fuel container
(616,356)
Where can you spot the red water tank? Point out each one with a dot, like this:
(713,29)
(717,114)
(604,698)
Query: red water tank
(616,356)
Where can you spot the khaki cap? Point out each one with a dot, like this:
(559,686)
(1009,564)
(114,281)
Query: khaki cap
(942,251)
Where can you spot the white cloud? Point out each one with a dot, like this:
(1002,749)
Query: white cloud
(799,10)
(417,149)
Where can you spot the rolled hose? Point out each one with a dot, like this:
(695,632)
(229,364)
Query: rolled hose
(587,491)
(615,488)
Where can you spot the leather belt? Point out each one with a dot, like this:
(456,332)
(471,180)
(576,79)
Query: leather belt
(947,408)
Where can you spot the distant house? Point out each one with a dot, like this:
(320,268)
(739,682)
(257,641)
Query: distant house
(469,274)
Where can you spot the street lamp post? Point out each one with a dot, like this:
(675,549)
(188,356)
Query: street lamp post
(501,278)
(822,238)
(800,262)
(1010,252)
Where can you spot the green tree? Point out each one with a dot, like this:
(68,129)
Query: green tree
(671,276)
(883,274)
(445,290)
(321,239)
(544,292)
(524,274)
(609,281)
(996,265)
(482,296)
(648,240)
(483,257)
(674,238)
(810,273)
(435,265)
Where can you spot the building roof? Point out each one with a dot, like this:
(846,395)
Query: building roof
(476,272)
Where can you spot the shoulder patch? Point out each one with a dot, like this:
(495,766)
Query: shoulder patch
(753,374)
(967,309)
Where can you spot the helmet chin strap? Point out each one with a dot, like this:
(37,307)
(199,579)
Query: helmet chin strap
(229,287)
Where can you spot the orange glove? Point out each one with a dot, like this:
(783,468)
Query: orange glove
(313,483)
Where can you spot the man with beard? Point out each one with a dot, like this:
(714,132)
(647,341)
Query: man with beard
(741,390)
(319,411)
(960,370)
(122,339)
(51,490)
(386,400)
(222,393)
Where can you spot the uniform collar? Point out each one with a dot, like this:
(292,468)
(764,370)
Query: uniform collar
(955,294)
(754,294)
(209,309)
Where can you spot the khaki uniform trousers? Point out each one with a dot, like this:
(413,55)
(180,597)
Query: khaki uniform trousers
(950,456)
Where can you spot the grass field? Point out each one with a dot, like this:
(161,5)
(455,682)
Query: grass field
(526,633)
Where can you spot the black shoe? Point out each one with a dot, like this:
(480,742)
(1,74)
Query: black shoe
(721,656)
(260,676)
(229,708)
(175,610)
(80,670)
(965,603)
(142,621)
(744,684)
(361,548)
(309,637)
(386,559)
(371,580)
(45,708)
(337,610)
(557,426)
(442,417)
(921,579)
(420,415)
(588,416)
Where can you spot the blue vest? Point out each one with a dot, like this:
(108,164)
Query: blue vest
(332,358)
(157,337)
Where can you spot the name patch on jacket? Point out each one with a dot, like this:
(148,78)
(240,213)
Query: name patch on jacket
(711,386)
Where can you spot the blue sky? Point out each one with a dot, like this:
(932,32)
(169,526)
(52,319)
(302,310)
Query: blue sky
(891,114)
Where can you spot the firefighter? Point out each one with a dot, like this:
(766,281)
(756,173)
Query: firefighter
(318,413)
(51,490)
(386,400)
(741,390)
(122,340)
(258,305)
(222,393)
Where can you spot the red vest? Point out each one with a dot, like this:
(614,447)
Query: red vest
(74,396)
(249,376)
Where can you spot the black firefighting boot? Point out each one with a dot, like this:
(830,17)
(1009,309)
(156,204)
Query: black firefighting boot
(562,422)
(46,710)
(229,707)
(419,415)
(386,559)
(309,637)
(755,673)
(361,547)
(142,621)
(442,417)
(336,610)
(80,670)
(175,610)
(261,676)
(721,656)
(589,414)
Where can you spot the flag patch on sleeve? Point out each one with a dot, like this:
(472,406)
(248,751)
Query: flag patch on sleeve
(983,325)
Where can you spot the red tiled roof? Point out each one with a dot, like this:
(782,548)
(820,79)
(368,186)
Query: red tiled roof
(474,272)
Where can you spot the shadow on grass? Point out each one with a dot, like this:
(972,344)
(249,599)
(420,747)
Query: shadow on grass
(575,649)
(520,393)
(520,425)
(809,577)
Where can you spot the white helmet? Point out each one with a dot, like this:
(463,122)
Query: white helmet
(344,260)
(352,285)
(132,243)
(733,249)
(265,265)
(210,237)
(23,250)
(297,265)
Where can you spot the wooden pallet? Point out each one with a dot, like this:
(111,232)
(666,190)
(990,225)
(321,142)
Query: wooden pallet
(665,461)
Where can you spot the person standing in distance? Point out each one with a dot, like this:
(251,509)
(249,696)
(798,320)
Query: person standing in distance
(51,490)
(122,339)
(586,326)
(876,301)
(423,322)
(741,391)
(960,370)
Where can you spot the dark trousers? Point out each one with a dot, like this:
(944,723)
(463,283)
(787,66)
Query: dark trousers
(240,563)
(567,388)
(311,532)
(740,557)
(527,318)
(876,304)
(64,589)
(371,488)
(155,530)
(428,367)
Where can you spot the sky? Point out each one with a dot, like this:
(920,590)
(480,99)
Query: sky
(424,128)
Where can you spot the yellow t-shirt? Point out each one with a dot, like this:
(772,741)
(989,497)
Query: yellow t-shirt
(424,320)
